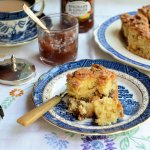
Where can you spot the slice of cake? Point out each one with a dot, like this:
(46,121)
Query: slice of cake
(136,31)
(92,92)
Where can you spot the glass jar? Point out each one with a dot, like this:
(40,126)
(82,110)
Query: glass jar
(82,9)
(60,44)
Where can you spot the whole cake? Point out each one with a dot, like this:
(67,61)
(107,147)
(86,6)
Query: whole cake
(93,92)
(136,30)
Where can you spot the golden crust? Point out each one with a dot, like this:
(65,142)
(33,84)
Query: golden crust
(138,23)
(136,30)
(84,83)
(145,10)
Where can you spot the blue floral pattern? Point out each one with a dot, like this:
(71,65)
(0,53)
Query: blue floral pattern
(15,33)
(61,110)
(18,29)
(98,143)
(55,142)
(130,106)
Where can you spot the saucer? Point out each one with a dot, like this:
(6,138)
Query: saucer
(29,35)
(18,42)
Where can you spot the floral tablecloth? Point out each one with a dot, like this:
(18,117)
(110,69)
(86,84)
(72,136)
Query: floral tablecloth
(17,100)
(42,135)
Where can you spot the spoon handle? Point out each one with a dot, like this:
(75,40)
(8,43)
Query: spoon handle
(37,112)
(33,16)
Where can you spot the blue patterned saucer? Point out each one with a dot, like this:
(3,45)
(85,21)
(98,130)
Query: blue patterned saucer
(109,39)
(29,37)
(134,89)
(23,37)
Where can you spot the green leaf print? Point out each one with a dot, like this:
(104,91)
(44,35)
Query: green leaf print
(124,144)
(148,138)
(114,136)
(141,147)
(132,132)
(6,103)
(70,133)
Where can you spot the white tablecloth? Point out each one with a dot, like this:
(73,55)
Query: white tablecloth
(16,100)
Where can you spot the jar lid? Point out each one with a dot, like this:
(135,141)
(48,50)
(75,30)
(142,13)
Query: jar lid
(15,71)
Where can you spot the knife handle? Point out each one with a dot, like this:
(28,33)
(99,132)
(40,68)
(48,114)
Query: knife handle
(37,112)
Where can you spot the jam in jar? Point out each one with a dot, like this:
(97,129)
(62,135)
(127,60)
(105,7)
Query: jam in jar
(60,45)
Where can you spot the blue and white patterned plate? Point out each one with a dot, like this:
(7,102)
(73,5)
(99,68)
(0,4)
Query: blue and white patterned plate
(134,89)
(108,37)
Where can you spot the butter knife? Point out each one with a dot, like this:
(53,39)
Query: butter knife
(31,116)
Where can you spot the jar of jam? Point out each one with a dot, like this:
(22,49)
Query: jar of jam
(60,44)
(82,9)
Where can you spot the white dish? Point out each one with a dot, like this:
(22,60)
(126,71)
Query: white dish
(108,37)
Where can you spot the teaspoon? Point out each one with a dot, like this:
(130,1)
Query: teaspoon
(34,17)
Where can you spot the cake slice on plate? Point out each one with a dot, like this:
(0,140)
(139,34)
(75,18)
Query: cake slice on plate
(136,30)
(93,93)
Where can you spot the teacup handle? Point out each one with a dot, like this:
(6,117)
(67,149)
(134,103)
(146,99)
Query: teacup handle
(42,8)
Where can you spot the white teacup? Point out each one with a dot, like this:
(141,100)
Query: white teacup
(15,25)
